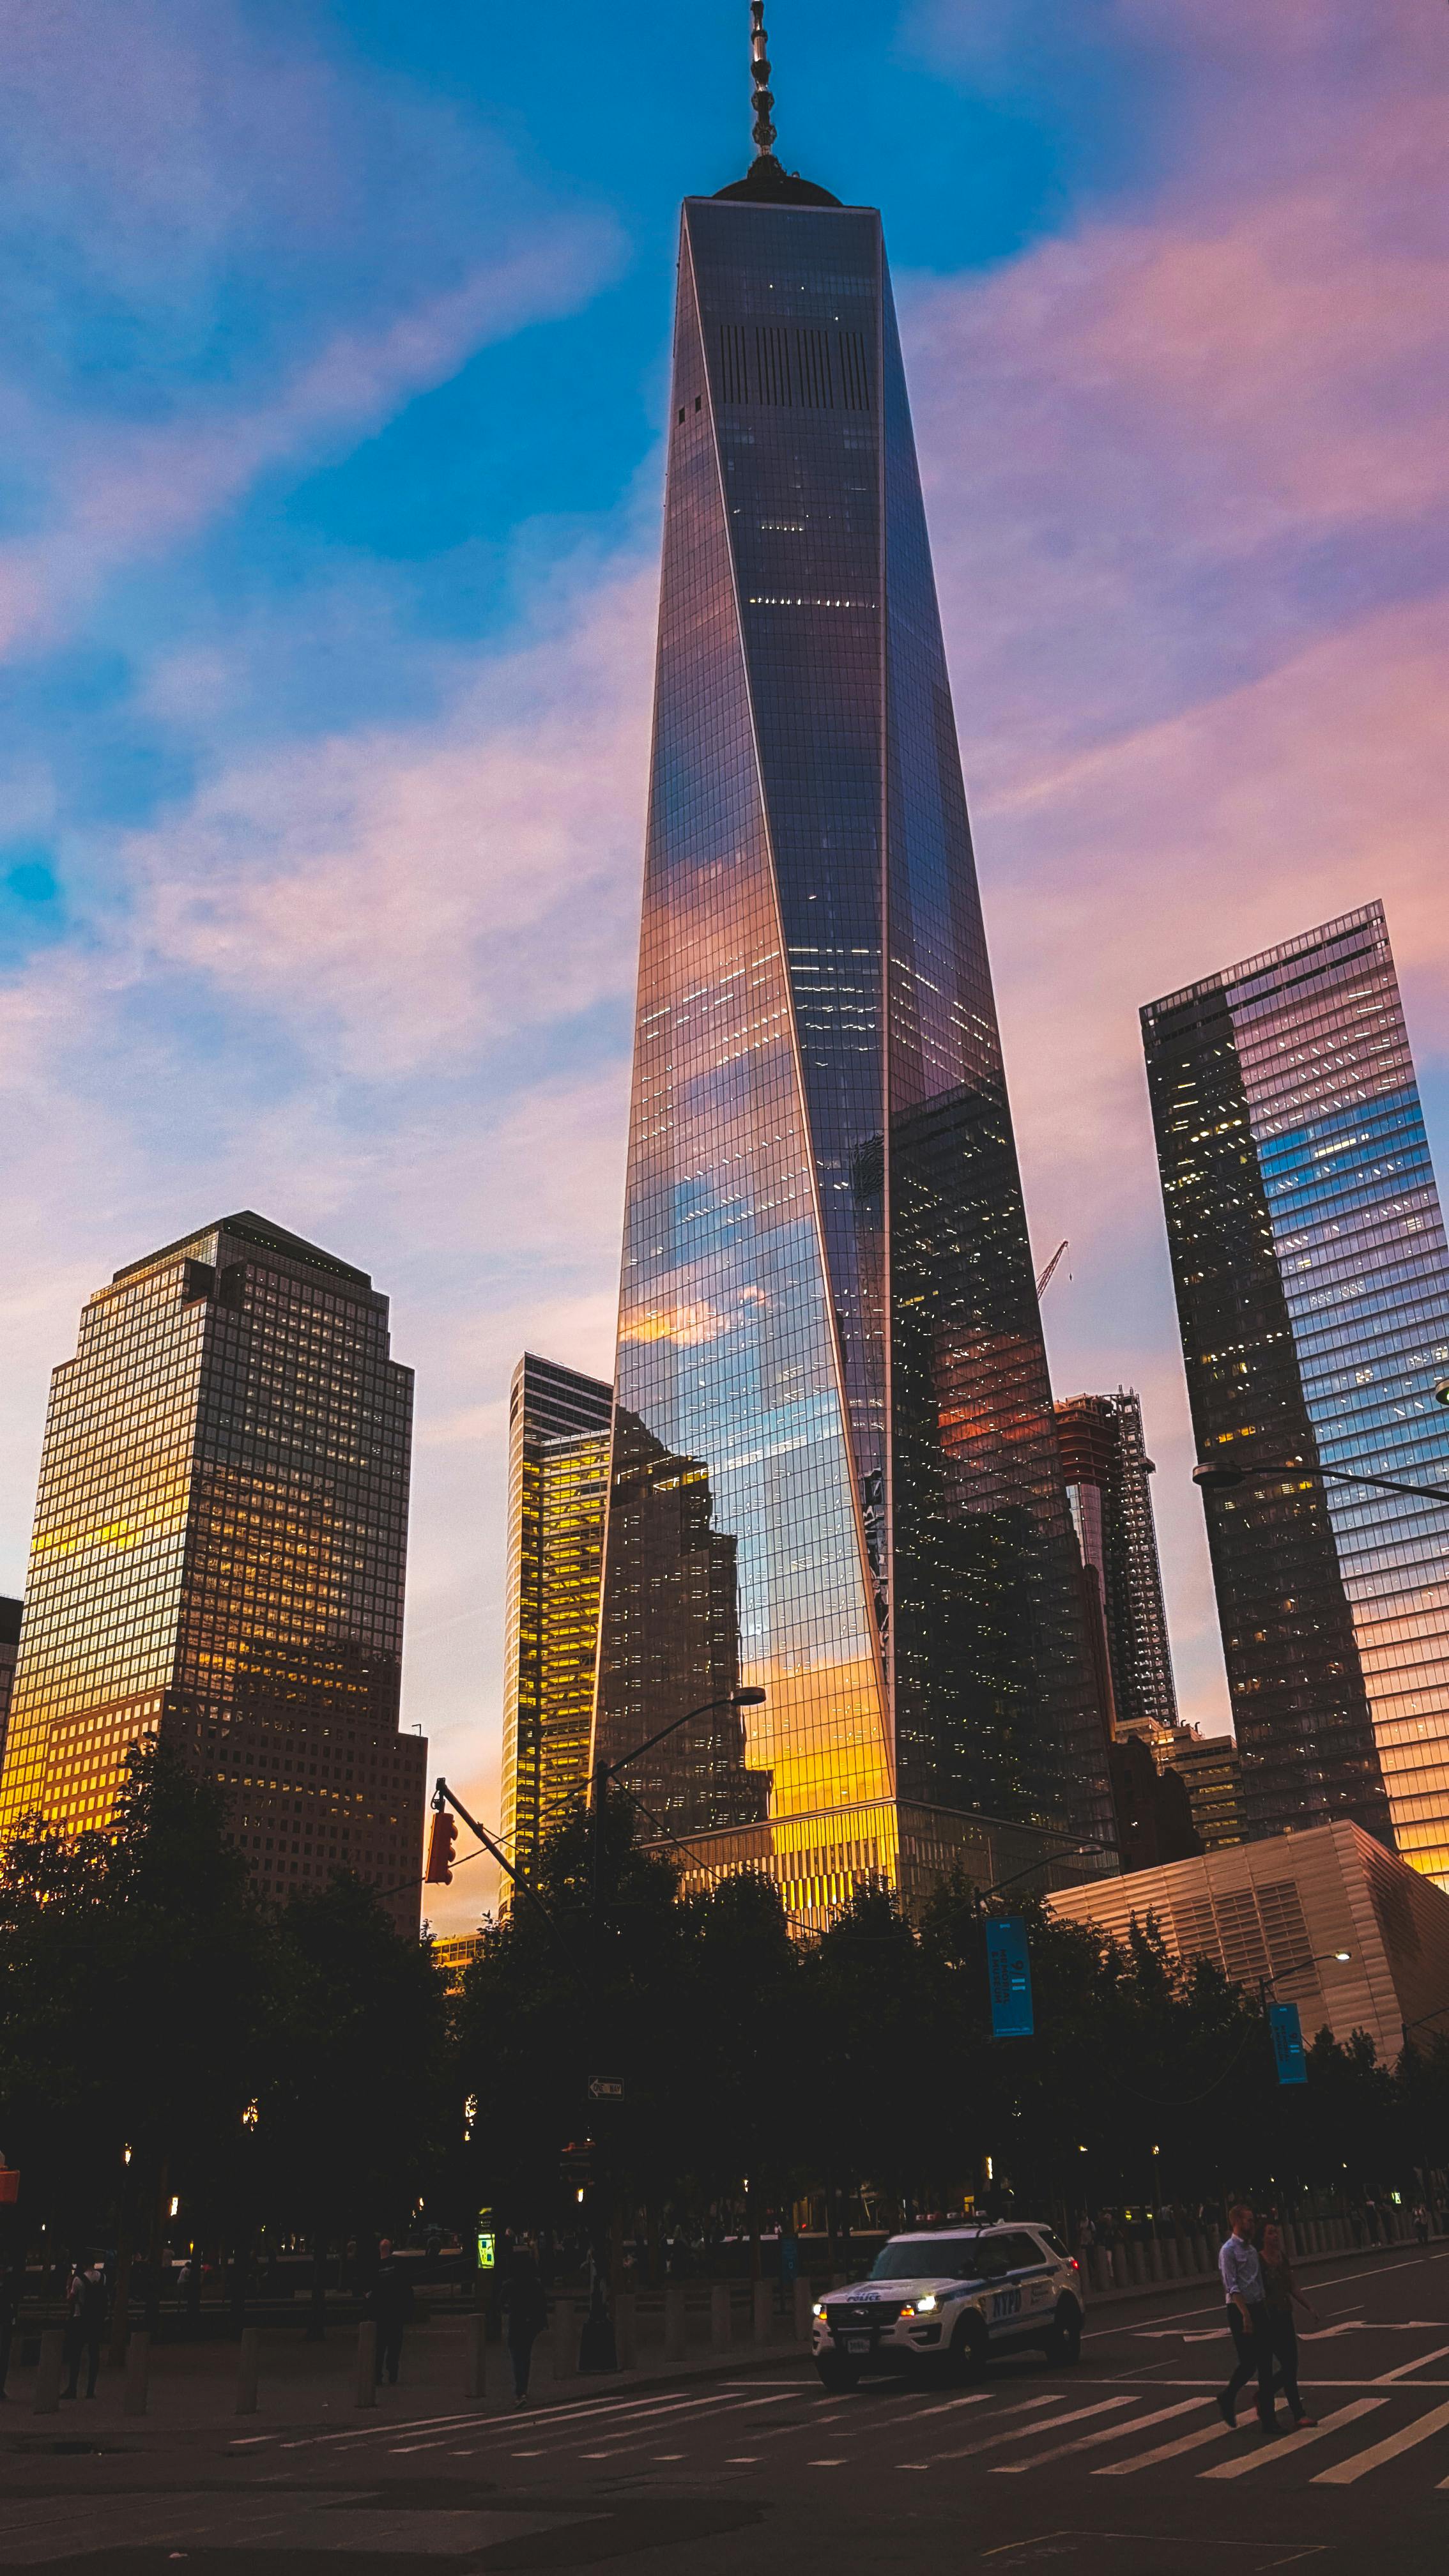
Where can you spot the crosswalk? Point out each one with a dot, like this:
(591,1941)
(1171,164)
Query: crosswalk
(1111,2428)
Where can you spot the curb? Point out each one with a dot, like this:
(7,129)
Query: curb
(1136,2290)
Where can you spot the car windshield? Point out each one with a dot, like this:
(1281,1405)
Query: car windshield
(928,2258)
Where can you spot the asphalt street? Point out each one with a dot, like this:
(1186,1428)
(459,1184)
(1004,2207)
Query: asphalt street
(1121,2464)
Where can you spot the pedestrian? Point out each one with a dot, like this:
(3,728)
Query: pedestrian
(12,2290)
(391,2303)
(1086,2236)
(1281,2296)
(527,2316)
(1242,2280)
(1421,2226)
(86,2299)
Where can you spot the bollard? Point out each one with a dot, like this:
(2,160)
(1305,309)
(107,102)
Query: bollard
(764,2311)
(1154,2257)
(626,2329)
(366,2364)
(1200,2259)
(1137,2265)
(497,2375)
(541,2372)
(720,2320)
(565,2339)
(804,2320)
(475,2355)
(138,2373)
(247,2363)
(675,2331)
(47,2376)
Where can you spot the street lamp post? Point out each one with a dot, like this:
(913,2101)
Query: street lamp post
(1214,1477)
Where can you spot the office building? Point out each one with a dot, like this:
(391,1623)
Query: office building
(1313,1296)
(828,1322)
(558,1473)
(218,1560)
(1106,1467)
(9,1648)
(1210,1768)
(1151,1807)
(453,1956)
(1285,1910)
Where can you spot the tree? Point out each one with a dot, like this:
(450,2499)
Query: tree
(350,2111)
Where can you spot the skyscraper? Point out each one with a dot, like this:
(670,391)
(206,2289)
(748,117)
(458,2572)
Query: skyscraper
(1313,1294)
(1106,1466)
(827,1315)
(558,1473)
(218,1559)
(9,1648)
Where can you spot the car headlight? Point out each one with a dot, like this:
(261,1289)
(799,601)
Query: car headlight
(925,2306)
(818,2310)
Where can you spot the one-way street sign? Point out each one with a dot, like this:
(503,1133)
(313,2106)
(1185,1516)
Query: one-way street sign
(605,2088)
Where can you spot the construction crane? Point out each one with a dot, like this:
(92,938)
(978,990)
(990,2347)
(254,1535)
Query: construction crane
(1045,1281)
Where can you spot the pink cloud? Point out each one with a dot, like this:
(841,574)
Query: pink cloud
(415,894)
(1186,468)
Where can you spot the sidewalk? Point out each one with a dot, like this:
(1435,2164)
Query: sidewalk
(311,2388)
(1404,2249)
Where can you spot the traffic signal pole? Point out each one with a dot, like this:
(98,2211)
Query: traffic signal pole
(442,1848)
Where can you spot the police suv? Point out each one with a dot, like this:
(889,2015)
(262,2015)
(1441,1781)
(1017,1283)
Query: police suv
(954,2295)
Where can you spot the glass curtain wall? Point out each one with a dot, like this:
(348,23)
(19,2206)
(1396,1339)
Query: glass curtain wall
(827,1319)
(1313,1289)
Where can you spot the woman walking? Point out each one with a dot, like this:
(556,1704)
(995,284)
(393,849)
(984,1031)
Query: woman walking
(1282,2296)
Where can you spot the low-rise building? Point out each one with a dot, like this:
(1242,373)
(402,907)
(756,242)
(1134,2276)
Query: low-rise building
(454,1953)
(1332,1921)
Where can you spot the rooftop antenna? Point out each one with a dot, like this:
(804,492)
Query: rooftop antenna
(763,98)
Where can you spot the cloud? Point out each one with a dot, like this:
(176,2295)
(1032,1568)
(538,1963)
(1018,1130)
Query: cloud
(413,893)
(236,258)
(1187,470)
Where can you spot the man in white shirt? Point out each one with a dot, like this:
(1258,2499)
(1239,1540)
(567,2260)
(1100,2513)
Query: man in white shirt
(1242,2279)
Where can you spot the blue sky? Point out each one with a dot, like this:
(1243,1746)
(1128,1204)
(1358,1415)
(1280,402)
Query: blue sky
(332,374)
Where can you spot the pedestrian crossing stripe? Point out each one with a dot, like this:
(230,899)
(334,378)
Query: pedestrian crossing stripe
(1164,2451)
(1343,2473)
(1088,2441)
(1297,2441)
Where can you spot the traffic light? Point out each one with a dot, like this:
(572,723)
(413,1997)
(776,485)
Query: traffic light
(439,1872)
(576,2165)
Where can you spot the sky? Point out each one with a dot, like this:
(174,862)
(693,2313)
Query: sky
(332,382)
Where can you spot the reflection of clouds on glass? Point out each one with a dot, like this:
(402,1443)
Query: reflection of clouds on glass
(1313,1283)
(900,1574)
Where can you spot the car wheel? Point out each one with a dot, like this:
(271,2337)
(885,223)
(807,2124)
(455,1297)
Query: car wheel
(968,2349)
(836,2374)
(1064,2343)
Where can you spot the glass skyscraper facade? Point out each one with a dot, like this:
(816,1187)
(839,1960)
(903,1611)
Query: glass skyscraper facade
(1313,1294)
(9,1649)
(828,1329)
(218,1559)
(558,1473)
(1107,1471)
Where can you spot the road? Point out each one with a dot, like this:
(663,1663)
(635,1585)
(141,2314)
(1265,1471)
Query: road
(1120,2467)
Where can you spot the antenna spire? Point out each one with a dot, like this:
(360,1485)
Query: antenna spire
(763,99)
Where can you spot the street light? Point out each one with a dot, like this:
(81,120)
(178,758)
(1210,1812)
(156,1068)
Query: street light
(1218,1478)
(748,1695)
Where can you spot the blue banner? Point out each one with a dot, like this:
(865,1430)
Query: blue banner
(1009,1969)
(1287,2032)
